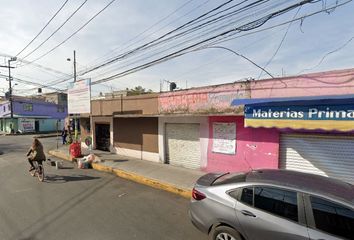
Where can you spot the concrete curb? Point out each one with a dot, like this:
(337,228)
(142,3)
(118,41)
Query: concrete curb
(46,136)
(186,193)
(61,155)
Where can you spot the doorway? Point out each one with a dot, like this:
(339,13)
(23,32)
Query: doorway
(103,137)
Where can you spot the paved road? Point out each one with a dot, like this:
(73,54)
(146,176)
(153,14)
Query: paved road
(82,204)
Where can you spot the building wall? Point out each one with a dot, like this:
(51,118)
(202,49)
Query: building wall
(7,123)
(205,100)
(317,84)
(39,109)
(137,137)
(57,98)
(50,125)
(204,135)
(255,148)
(4,109)
(141,104)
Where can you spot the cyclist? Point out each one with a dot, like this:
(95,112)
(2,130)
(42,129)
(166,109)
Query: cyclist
(35,153)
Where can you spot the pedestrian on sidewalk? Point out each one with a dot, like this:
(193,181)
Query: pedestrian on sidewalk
(64,133)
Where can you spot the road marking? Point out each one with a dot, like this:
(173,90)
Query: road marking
(121,195)
(23,190)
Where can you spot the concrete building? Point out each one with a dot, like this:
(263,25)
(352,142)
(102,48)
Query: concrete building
(31,115)
(127,126)
(214,128)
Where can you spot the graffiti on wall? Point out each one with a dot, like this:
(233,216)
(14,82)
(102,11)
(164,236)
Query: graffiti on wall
(204,100)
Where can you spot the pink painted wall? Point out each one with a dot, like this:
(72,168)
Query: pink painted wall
(208,99)
(255,148)
(337,82)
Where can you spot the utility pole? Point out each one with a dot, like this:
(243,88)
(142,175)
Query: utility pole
(10,89)
(76,122)
(74,66)
(75,116)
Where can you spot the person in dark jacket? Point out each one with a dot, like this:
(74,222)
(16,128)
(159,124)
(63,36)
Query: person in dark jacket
(35,153)
(64,133)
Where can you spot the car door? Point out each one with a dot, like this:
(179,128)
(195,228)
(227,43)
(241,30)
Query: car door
(329,220)
(270,213)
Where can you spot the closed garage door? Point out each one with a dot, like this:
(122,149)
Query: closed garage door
(331,156)
(183,145)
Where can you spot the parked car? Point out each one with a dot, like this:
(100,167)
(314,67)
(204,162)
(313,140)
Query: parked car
(274,205)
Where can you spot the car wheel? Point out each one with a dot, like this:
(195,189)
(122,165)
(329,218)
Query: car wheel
(225,233)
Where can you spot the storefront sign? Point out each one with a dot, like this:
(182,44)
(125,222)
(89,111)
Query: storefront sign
(26,125)
(328,117)
(224,138)
(79,97)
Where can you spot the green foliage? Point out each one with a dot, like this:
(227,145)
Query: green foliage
(138,91)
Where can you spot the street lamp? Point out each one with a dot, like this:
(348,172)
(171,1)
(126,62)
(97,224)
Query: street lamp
(75,117)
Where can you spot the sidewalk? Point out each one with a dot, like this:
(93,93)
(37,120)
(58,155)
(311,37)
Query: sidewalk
(35,135)
(162,176)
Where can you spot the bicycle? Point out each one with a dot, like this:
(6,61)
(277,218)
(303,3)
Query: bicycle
(38,171)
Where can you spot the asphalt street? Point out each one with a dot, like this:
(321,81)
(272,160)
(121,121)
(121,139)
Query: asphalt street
(82,203)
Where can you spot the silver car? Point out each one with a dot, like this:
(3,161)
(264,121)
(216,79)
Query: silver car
(273,205)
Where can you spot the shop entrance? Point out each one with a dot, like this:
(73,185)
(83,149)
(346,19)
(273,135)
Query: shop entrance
(327,155)
(103,137)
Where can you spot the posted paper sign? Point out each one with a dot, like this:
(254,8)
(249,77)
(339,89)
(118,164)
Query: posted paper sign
(224,138)
(79,97)
(26,125)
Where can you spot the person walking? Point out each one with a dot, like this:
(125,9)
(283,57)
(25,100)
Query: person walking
(64,133)
(35,153)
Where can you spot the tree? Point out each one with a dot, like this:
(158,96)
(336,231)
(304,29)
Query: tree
(137,91)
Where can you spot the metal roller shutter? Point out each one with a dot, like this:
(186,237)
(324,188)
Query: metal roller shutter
(331,156)
(183,145)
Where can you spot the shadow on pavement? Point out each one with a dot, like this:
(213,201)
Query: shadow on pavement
(120,160)
(53,178)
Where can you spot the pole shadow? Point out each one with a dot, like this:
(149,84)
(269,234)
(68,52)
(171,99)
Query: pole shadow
(54,178)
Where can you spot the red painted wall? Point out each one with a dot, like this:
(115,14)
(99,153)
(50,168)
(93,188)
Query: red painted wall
(255,148)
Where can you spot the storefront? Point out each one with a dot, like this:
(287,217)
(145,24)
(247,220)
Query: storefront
(183,141)
(316,133)
(136,137)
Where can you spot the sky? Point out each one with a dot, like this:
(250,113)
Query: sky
(321,42)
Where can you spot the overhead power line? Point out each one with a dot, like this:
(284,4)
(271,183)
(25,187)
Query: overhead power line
(78,30)
(212,36)
(280,44)
(15,79)
(251,25)
(215,29)
(240,55)
(131,41)
(201,34)
(155,40)
(327,54)
(41,44)
(204,15)
(50,20)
